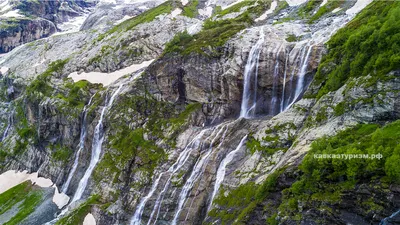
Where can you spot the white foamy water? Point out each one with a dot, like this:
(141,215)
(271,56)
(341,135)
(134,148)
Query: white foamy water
(250,75)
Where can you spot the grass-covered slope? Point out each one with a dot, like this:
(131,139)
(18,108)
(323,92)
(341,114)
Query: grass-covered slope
(26,196)
(216,32)
(368,45)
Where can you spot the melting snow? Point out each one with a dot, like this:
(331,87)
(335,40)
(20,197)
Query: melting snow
(184,2)
(12,178)
(360,4)
(336,10)
(295,2)
(126,17)
(10,14)
(176,12)
(323,3)
(108,78)
(89,220)
(269,11)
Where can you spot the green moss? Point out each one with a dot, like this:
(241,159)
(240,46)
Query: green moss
(236,206)
(190,9)
(41,83)
(235,8)
(145,17)
(61,153)
(321,115)
(340,108)
(215,33)
(78,215)
(292,38)
(366,45)
(24,194)
(323,180)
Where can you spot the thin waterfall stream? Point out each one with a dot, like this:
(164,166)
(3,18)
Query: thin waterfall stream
(81,145)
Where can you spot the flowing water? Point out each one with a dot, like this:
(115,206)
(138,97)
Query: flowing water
(196,173)
(81,147)
(222,170)
(249,98)
(10,122)
(96,148)
(182,159)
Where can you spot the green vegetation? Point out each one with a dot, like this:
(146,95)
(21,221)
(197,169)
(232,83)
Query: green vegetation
(155,121)
(61,153)
(78,215)
(292,38)
(367,45)
(41,83)
(323,180)
(190,10)
(215,33)
(235,207)
(145,17)
(327,8)
(271,141)
(130,145)
(235,8)
(24,194)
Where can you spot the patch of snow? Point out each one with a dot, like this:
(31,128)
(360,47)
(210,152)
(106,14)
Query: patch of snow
(11,14)
(59,198)
(184,2)
(5,6)
(73,25)
(274,4)
(207,11)
(108,78)
(126,17)
(12,178)
(336,10)
(295,2)
(323,3)
(4,70)
(175,13)
(360,4)
(234,3)
(89,220)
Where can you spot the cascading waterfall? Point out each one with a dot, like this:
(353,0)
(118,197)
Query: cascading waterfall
(197,172)
(385,220)
(284,83)
(182,159)
(10,122)
(274,94)
(81,146)
(222,170)
(300,80)
(98,139)
(249,98)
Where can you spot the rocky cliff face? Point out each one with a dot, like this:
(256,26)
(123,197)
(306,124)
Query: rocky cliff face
(25,21)
(223,125)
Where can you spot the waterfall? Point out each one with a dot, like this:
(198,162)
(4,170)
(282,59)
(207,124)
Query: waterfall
(222,170)
(96,148)
(385,220)
(10,122)
(248,107)
(196,173)
(182,159)
(274,94)
(301,76)
(81,146)
(284,83)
